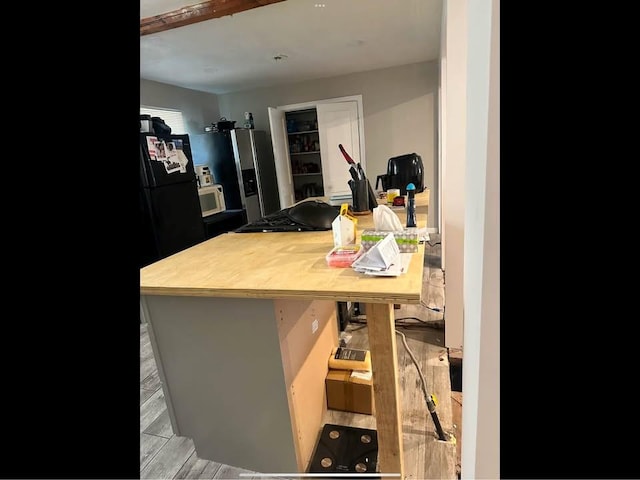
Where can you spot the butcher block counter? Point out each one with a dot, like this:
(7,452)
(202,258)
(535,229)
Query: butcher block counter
(242,326)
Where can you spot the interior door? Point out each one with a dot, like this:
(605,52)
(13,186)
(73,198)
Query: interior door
(281,157)
(338,124)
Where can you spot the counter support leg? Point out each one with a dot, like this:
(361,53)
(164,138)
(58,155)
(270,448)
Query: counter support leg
(384,363)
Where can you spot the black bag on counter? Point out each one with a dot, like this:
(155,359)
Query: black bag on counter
(161,129)
(225,124)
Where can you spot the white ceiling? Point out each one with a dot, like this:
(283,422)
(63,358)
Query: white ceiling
(236,52)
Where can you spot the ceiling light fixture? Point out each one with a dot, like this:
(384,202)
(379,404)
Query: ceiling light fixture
(319,5)
(280,56)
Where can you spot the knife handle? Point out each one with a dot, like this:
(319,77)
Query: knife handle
(346,155)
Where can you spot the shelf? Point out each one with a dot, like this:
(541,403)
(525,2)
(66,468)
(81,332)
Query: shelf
(306,111)
(304,153)
(302,132)
(305,174)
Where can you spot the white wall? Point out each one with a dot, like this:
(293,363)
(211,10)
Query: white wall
(198,108)
(400,113)
(481,373)
(453,166)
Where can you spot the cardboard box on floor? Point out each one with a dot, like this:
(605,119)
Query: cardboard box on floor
(350,391)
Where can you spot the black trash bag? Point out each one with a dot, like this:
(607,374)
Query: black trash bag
(161,129)
(224,124)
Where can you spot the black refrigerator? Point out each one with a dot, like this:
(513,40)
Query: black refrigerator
(170,212)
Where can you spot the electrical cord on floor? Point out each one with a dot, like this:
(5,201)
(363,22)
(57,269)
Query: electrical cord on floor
(402,322)
(431,406)
(364,325)
(432,244)
(401,319)
(434,309)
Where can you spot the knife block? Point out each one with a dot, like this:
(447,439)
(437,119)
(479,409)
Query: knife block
(360,196)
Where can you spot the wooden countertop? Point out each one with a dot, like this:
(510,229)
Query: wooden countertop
(280,265)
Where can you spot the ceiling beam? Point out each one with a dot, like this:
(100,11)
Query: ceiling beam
(198,13)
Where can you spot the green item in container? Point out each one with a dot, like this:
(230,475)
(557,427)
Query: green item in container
(407,240)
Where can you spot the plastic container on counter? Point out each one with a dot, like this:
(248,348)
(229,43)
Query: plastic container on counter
(344,256)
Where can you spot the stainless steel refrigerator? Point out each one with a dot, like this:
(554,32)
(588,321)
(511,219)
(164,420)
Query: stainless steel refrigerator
(241,160)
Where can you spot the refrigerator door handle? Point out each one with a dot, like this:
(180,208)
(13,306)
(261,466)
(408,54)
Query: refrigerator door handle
(256,165)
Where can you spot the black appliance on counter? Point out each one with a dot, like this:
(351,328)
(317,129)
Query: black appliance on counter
(170,211)
(401,171)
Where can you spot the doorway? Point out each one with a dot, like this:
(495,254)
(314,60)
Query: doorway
(299,130)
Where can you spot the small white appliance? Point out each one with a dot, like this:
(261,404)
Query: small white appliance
(211,199)
(204,175)
(146,125)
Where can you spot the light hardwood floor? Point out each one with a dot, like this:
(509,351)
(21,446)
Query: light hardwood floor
(166,456)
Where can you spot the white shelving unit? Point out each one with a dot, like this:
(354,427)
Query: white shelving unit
(304,153)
